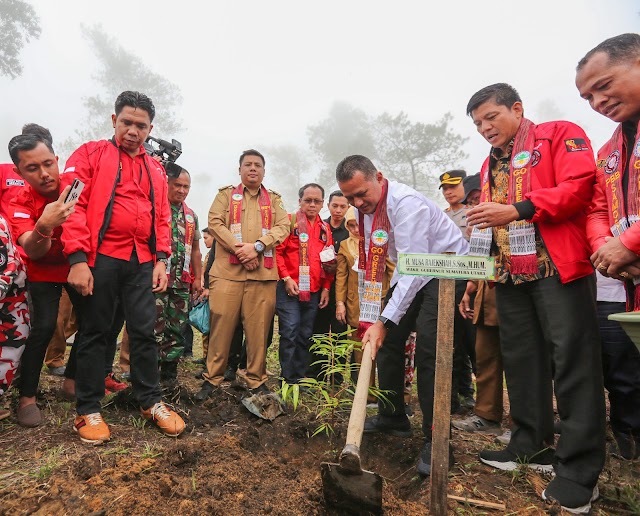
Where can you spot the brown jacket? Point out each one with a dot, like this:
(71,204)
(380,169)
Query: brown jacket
(347,284)
(251,231)
(485,312)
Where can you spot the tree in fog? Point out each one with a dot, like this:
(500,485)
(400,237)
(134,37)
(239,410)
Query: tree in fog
(416,153)
(120,70)
(19,23)
(288,168)
(347,130)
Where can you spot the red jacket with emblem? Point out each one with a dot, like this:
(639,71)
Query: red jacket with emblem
(600,221)
(96,164)
(562,179)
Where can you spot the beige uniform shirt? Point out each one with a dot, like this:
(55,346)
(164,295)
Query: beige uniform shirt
(219,223)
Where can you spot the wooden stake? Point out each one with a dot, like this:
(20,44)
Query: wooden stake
(479,503)
(442,398)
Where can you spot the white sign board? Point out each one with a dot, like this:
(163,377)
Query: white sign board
(447,266)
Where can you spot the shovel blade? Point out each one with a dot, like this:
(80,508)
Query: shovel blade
(359,493)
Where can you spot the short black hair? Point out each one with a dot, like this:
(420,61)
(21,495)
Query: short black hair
(348,167)
(136,100)
(206,230)
(251,152)
(37,129)
(619,48)
(26,142)
(335,193)
(501,93)
(309,185)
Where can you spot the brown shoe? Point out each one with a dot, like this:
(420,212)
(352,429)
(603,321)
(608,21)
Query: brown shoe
(91,428)
(167,420)
(29,416)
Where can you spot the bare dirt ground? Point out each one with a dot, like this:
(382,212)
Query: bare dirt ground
(231,462)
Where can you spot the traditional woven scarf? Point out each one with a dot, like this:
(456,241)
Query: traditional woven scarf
(304,268)
(235,215)
(522,234)
(190,228)
(623,213)
(373,263)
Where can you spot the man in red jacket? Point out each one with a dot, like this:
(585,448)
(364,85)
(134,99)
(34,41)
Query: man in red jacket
(304,285)
(609,78)
(117,242)
(536,186)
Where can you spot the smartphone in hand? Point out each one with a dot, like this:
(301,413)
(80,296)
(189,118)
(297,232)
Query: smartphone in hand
(76,190)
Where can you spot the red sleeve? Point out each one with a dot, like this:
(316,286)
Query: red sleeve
(328,279)
(76,236)
(22,213)
(163,240)
(574,177)
(598,215)
(283,272)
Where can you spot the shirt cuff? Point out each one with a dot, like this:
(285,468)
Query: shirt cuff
(526,209)
(77,257)
(161,255)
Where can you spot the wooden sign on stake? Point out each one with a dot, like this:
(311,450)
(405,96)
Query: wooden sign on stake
(448,267)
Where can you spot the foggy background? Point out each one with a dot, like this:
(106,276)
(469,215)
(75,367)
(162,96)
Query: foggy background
(305,83)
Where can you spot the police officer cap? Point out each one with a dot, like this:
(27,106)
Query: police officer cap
(453,177)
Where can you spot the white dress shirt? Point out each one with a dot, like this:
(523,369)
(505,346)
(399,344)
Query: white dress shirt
(418,225)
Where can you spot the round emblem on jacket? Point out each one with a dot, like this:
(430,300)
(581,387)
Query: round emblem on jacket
(236,197)
(521,159)
(189,218)
(536,158)
(636,151)
(612,162)
(379,237)
(304,237)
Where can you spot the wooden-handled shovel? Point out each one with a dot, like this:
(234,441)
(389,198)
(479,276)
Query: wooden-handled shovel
(346,485)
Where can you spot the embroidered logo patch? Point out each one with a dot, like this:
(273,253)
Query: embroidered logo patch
(189,218)
(611,164)
(521,159)
(576,145)
(636,151)
(379,237)
(236,197)
(304,237)
(536,158)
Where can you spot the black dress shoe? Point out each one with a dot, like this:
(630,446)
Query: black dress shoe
(399,426)
(424,461)
(206,391)
(259,389)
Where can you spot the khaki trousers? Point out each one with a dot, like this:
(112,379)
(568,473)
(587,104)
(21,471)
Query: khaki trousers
(125,354)
(66,326)
(489,373)
(254,303)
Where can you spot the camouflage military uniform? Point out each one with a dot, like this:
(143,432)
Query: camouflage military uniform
(14,311)
(172,306)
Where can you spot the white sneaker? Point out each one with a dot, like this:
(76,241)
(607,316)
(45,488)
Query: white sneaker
(505,438)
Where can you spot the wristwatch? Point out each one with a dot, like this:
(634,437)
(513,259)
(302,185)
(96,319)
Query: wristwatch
(388,323)
(259,246)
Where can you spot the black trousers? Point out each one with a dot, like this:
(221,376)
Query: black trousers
(550,341)
(621,368)
(130,282)
(110,352)
(422,316)
(45,299)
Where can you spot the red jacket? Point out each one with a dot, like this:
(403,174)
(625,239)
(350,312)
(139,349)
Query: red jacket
(10,186)
(288,254)
(562,180)
(600,221)
(96,164)
(25,210)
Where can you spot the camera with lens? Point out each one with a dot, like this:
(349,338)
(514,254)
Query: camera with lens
(168,152)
